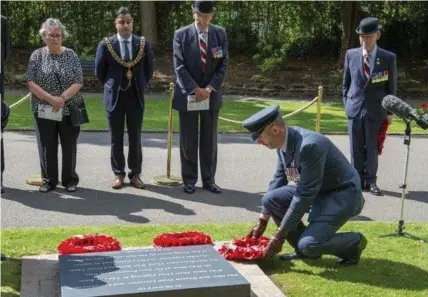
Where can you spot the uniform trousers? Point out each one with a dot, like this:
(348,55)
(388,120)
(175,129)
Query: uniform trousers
(316,239)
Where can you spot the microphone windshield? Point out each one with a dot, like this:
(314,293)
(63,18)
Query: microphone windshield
(396,105)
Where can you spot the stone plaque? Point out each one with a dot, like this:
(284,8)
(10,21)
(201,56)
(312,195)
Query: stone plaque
(190,271)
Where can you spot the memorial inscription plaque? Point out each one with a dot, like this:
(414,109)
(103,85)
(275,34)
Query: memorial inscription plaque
(190,271)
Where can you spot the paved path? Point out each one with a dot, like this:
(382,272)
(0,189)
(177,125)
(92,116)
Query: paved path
(244,170)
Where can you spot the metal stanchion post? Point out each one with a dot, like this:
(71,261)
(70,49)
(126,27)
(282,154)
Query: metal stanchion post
(319,101)
(168,179)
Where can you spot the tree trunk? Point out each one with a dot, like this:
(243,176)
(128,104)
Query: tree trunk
(350,20)
(148,21)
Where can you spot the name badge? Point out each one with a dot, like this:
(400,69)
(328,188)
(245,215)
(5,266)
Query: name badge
(380,76)
(293,174)
(217,52)
(46,112)
(193,105)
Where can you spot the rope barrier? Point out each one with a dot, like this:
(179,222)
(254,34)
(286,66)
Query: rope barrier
(317,99)
(284,117)
(26,97)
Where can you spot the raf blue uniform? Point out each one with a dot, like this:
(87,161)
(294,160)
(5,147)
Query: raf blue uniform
(362,98)
(326,185)
(191,75)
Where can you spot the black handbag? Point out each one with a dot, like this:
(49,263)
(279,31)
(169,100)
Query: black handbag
(78,112)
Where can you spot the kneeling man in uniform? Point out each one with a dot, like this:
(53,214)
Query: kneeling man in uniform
(325,184)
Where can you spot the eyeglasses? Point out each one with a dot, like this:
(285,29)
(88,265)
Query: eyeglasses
(53,36)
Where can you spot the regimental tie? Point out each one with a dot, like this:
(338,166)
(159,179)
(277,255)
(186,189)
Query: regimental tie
(367,65)
(203,46)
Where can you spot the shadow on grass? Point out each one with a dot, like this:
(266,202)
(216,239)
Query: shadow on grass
(10,276)
(381,273)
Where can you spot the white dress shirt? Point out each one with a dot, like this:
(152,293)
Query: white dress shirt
(205,33)
(122,46)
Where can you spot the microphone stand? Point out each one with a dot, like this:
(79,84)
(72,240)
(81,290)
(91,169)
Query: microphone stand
(403,187)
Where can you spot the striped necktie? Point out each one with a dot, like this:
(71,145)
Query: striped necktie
(203,46)
(367,65)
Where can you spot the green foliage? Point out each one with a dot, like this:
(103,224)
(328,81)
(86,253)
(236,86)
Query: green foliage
(270,31)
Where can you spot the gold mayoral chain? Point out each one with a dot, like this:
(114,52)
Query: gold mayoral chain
(123,63)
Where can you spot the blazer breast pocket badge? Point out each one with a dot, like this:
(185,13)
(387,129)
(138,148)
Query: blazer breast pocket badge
(292,174)
(217,52)
(380,76)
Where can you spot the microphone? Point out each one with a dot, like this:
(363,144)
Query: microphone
(404,111)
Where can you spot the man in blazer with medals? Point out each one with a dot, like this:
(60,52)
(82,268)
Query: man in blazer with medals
(200,63)
(124,65)
(325,184)
(370,74)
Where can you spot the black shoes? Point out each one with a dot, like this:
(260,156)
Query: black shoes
(213,188)
(375,190)
(358,250)
(189,189)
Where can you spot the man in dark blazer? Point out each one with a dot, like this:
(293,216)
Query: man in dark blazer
(370,74)
(326,186)
(200,61)
(5,53)
(124,65)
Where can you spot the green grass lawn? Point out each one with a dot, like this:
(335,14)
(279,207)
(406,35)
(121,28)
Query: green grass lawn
(156,115)
(389,266)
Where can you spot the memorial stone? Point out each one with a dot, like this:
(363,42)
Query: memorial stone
(189,271)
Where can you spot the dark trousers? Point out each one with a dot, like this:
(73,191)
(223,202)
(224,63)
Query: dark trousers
(363,135)
(47,132)
(127,107)
(2,159)
(189,124)
(318,238)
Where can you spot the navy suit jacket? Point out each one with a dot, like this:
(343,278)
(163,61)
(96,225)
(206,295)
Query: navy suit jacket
(329,186)
(110,73)
(5,53)
(188,65)
(356,89)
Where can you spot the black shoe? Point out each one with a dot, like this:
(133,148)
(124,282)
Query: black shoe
(295,256)
(3,257)
(46,187)
(2,190)
(364,186)
(213,188)
(375,190)
(189,189)
(360,247)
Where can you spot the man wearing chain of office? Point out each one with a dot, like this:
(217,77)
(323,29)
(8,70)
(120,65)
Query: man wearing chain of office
(124,65)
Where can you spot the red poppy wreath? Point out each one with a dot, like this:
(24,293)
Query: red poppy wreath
(244,248)
(88,244)
(181,239)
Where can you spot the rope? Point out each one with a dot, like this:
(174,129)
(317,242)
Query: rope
(284,117)
(20,100)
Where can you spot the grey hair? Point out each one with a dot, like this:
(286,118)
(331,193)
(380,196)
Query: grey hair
(52,23)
